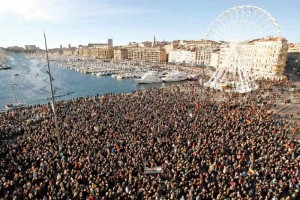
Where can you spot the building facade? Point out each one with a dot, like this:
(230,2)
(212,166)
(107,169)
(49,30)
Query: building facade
(147,54)
(203,55)
(214,59)
(182,56)
(55,51)
(267,55)
(294,48)
(68,52)
(120,54)
(102,53)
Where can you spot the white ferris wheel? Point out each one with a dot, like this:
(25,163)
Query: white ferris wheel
(240,31)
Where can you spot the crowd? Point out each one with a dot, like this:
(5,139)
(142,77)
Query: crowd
(207,149)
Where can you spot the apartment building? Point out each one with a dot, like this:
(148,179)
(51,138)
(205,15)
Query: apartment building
(120,54)
(102,53)
(266,55)
(149,54)
(294,48)
(182,56)
(214,59)
(203,55)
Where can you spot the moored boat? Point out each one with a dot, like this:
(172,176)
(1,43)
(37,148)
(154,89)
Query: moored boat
(175,76)
(149,77)
(12,106)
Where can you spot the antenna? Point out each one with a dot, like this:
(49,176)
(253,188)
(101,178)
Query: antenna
(52,99)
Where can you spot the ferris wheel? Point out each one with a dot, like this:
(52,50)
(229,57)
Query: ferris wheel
(244,34)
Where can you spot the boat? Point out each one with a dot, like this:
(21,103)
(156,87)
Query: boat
(16,104)
(4,67)
(174,77)
(13,106)
(149,77)
(193,77)
(119,76)
(163,73)
(103,73)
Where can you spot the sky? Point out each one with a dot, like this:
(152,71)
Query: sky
(94,21)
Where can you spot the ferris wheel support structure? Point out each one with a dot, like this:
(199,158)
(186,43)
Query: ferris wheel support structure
(237,30)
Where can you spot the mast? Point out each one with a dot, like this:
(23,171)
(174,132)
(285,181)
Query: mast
(14,91)
(52,99)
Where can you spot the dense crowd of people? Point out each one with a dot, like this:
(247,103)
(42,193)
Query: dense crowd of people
(207,149)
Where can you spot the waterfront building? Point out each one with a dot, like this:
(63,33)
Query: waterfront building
(69,51)
(55,51)
(267,56)
(182,56)
(62,51)
(203,55)
(107,53)
(97,45)
(109,44)
(152,54)
(294,48)
(214,59)
(195,43)
(102,53)
(86,52)
(293,55)
(121,54)
(94,52)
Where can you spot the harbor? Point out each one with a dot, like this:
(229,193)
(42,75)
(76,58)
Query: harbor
(117,69)
(28,74)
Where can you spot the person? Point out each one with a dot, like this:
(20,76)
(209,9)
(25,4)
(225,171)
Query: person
(219,149)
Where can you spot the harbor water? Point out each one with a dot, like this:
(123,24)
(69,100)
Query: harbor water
(30,81)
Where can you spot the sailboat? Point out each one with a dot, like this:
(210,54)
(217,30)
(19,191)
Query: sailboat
(16,104)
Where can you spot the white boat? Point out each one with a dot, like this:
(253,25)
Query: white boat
(175,76)
(149,77)
(16,104)
(119,76)
(103,73)
(13,106)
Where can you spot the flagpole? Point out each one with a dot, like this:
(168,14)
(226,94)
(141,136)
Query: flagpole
(53,100)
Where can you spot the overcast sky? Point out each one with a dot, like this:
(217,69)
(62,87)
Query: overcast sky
(94,21)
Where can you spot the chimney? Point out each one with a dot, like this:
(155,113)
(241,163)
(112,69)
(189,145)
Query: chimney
(69,46)
(61,46)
